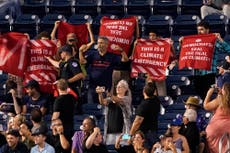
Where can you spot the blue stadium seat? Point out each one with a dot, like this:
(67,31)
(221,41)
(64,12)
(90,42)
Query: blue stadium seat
(37,7)
(115,7)
(166,7)
(26,23)
(79,19)
(165,101)
(190,7)
(185,25)
(93,109)
(179,80)
(177,108)
(227,38)
(140,7)
(47,22)
(161,24)
(5,23)
(184,71)
(85,7)
(173,91)
(59,7)
(96,22)
(217,23)
(182,98)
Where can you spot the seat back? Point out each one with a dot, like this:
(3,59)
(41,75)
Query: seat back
(80,19)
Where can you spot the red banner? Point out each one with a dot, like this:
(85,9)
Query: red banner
(197,51)
(80,30)
(39,68)
(151,57)
(13,53)
(119,32)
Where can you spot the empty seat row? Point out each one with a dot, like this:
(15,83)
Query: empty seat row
(118,7)
(163,25)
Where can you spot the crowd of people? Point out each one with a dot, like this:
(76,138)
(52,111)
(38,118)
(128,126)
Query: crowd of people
(108,84)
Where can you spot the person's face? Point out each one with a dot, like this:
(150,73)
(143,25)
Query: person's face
(102,45)
(152,36)
(39,139)
(175,129)
(138,139)
(86,125)
(62,55)
(44,38)
(23,129)
(120,89)
(168,141)
(202,30)
(30,91)
(71,39)
(12,140)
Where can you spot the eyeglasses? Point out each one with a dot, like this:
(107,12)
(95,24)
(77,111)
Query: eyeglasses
(71,40)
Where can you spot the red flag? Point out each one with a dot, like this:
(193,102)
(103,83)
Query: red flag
(151,57)
(13,53)
(119,32)
(39,68)
(80,30)
(197,51)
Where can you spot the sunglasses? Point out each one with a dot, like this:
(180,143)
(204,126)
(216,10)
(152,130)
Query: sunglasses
(71,40)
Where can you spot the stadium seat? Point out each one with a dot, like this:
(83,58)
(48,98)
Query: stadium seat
(177,108)
(59,7)
(217,23)
(47,22)
(165,101)
(191,7)
(184,71)
(140,7)
(96,22)
(227,38)
(5,23)
(26,23)
(177,80)
(185,25)
(79,19)
(165,7)
(93,109)
(182,99)
(37,7)
(115,7)
(161,24)
(85,7)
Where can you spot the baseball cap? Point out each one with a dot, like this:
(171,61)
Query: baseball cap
(32,83)
(65,48)
(40,130)
(13,132)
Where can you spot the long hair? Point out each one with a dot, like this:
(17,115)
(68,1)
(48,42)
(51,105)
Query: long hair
(226,96)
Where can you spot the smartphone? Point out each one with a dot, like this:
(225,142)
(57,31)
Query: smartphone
(126,137)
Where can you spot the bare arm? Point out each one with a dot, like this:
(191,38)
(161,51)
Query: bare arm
(136,124)
(64,142)
(91,138)
(185,145)
(17,108)
(53,33)
(102,100)
(211,105)
(76,77)
(53,62)
(55,115)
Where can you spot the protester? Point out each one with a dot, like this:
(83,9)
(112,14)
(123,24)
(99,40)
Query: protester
(87,127)
(215,7)
(13,143)
(100,63)
(118,108)
(219,123)
(147,112)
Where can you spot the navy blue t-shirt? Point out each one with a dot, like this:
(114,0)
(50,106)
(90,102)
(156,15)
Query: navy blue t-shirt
(100,68)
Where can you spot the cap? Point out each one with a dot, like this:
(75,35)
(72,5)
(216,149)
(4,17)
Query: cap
(177,121)
(191,115)
(40,130)
(13,132)
(193,101)
(32,83)
(65,48)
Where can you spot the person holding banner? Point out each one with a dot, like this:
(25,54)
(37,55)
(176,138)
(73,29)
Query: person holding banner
(100,67)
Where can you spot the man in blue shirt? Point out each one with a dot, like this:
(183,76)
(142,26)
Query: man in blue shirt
(100,67)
